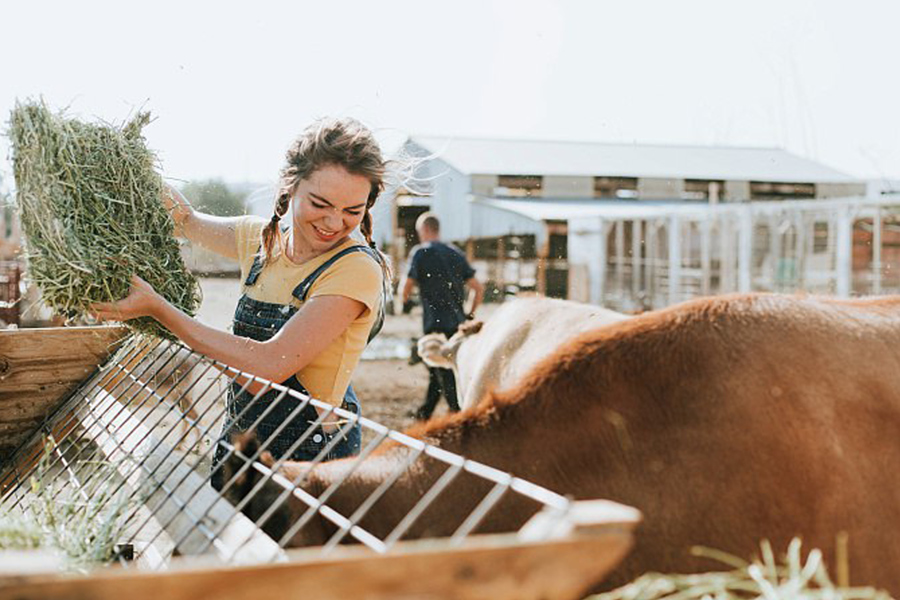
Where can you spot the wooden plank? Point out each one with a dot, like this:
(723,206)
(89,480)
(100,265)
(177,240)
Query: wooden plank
(180,500)
(492,566)
(39,367)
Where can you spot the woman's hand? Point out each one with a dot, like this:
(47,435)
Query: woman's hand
(142,301)
(177,206)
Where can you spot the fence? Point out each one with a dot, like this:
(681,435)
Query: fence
(10,275)
(842,247)
(131,448)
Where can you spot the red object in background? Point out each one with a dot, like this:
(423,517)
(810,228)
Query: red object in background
(10,272)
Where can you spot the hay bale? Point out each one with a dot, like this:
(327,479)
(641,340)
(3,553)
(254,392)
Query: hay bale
(89,203)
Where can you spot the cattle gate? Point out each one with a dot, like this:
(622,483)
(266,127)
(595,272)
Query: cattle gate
(132,445)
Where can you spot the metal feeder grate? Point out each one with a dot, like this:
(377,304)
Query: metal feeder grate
(143,430)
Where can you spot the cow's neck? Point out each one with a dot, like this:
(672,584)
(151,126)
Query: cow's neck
(497,443)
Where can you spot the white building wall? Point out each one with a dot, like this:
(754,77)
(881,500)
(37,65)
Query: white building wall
(488,221)
(448,191)
(659,189)
(484,185)
(567,187)
(840,190)
(737,191)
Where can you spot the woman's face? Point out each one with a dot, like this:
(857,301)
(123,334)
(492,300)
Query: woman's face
(328,206)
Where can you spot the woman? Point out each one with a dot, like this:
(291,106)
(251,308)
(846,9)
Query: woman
(311,295)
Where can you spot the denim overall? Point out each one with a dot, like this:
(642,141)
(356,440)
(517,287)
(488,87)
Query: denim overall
(260,321)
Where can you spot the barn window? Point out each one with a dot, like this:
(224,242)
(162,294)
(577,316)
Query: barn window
(615,187)
(703,189)
(768,190)
(519,185)
(820,237)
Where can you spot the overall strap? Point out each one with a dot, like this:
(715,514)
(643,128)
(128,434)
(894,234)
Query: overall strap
(302,290)
(255,269)
(257,266)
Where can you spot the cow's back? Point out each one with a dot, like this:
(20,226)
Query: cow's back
(724,421)
(517,337)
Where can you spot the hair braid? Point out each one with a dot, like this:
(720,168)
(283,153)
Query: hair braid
(272,242)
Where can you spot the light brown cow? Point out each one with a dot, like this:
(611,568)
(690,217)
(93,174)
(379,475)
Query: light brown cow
(724,420)
(496,355)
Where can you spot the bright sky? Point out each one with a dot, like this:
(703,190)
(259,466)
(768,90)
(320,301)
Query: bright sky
(231,83)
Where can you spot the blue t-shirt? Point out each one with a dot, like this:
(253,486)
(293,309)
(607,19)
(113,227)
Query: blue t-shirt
(441,272)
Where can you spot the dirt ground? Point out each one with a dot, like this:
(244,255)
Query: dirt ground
(387,386)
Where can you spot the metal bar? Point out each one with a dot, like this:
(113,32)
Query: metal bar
(34,439)
(173,447)
(293,447)
(70,405)
(323,498)
(142,386)
(422,505)
(484,507)
(369,502)
(205,431)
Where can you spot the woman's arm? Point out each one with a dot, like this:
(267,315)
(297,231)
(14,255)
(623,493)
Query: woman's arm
(213,233)
(318,323)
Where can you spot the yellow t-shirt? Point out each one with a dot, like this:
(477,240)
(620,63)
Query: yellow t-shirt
(355,276)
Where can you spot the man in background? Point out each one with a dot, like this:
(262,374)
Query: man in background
(443,276)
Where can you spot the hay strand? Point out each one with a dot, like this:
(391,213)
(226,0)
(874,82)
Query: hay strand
(763,579)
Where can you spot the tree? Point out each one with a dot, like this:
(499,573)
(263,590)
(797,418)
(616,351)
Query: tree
(214,197)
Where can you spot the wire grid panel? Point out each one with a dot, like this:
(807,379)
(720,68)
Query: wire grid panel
(139,436)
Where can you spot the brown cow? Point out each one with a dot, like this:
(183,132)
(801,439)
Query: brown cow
(724,420)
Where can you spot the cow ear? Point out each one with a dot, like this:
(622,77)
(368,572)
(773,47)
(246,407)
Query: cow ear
(451,346)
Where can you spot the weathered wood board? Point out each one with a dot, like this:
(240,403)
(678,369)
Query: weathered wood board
(498,567)
(39,367)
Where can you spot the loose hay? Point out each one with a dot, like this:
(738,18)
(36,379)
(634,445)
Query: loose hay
(763,579)
(85,526)
(89,203)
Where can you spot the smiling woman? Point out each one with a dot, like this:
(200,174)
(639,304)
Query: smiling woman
(312,296)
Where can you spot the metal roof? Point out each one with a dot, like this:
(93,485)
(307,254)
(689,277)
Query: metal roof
(532,157)
(574,210)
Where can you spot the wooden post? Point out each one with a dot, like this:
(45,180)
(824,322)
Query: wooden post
(775,251)
(636,258)
(745,250)
(876,251)
(620,258)
(802,255)
(598,291)
(726,257)
(705,252)
(674,260)
(843,252)
(501,263)
(652,260)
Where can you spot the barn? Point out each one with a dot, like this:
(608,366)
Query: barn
(640,226)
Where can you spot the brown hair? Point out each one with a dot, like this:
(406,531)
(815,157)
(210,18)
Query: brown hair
(429,221)
(344,142)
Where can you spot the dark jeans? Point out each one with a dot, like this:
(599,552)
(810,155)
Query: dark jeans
(440,382)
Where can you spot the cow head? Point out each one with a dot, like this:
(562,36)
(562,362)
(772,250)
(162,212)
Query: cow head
(431,350)
(437,351)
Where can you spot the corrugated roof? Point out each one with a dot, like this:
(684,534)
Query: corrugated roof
(567,209)
(524,157)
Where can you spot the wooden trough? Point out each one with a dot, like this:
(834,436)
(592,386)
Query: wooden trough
(152,413)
